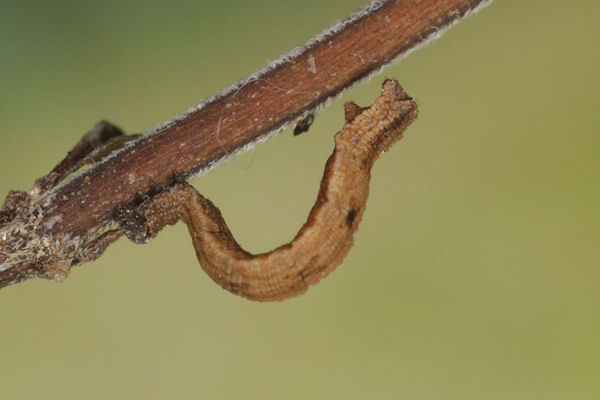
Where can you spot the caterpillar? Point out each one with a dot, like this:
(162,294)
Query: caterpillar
(322,242)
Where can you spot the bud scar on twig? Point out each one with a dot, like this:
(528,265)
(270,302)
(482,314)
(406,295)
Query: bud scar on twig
(326,237)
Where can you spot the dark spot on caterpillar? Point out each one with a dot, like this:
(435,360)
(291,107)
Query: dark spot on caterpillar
(303,273)
(350,217)
(304,124)
(239,285)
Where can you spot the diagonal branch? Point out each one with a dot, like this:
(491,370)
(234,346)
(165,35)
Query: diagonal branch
(73,215)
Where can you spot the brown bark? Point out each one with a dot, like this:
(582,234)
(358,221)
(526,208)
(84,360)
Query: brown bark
(261,106)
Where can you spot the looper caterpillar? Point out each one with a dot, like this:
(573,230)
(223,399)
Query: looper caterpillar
(326,237)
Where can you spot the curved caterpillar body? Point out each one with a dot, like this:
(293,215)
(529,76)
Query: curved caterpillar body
(326,237)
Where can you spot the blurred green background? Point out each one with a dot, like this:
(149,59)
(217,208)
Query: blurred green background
(476,269)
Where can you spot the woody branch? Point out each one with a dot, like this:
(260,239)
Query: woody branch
(238,117)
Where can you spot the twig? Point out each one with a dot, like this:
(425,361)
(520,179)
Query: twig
(73,222)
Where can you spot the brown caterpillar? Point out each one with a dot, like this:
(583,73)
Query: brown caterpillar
(326,237)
